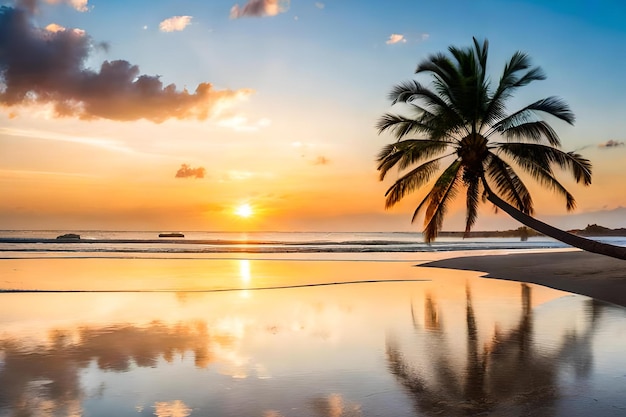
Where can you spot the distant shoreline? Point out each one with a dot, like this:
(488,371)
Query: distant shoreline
(592,230)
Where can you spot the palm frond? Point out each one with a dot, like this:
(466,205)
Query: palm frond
(509,184)
(408,152)
(553,106)
(463,86)
(509,81)
(534,154)
(450,81)
(438,64)
(534,131)
(549,181)
(409,91)
(401,126)
(472,199)
(537,165)
(435,110)
(481,51)
(444,190)
(411,181)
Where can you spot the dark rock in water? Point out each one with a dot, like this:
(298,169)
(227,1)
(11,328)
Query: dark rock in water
(69,236)
(171,235)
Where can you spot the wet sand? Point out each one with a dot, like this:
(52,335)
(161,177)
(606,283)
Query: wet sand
(578,272)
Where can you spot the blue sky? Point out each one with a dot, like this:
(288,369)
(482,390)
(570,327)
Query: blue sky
(308,80)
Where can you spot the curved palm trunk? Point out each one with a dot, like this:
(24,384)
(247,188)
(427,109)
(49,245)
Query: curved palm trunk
(588,245)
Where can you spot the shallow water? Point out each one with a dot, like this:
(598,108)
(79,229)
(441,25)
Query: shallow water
(398,341)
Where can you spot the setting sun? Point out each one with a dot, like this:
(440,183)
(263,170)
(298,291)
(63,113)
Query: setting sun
(244,210)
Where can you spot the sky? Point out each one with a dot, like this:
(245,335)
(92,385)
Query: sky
(260,116)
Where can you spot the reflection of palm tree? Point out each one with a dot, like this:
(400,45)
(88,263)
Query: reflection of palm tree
(506,374)
(456,120)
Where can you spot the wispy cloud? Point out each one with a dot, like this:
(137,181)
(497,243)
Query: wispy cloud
(242,124)
(319,5)
(611,144)
(259,8)
(185,171)
(43,67)
(395,38)
(234,175)
(9,174)
(103,143)
(175,23)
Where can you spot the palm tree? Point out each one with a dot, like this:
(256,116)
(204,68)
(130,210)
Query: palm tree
(462,119)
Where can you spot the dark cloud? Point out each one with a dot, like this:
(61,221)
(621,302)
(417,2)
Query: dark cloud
(29,5)
(185,171)
(40,66)
(259,8)
(611,144)
(32,5)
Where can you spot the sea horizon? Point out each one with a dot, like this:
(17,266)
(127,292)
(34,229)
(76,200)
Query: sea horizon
(257,242)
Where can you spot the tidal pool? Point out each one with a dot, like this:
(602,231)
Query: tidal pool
(396,340)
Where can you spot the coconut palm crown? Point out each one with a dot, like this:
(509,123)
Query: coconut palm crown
(461,120)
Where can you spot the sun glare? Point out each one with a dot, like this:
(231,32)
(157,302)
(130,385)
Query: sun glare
(243,210)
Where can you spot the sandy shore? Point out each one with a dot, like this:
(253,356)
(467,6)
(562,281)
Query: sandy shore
(584,273)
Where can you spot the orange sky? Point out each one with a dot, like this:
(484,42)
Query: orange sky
(111,175)
(282,123)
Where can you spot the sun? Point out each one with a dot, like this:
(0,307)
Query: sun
(244,210)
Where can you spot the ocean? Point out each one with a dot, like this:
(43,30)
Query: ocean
(197,243)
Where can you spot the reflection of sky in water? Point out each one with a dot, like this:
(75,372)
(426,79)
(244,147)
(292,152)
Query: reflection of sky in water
(450,345)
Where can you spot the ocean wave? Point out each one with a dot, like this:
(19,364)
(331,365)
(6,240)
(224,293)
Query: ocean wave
(285,248)
(145,244)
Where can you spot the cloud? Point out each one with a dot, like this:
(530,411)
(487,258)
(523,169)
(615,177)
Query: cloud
(39,66)
(175,23)
(395,38)
(80,5)
(321,160)
(234,175)
(185,171)
(611,144)
(319,5)
(54,28)
(31,5)
(259,8)
(242,124)
(99,142)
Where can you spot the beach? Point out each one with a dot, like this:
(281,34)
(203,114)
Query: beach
(574,271)
(286,325)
